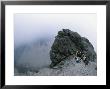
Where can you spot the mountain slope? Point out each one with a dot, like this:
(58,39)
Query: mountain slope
(68,67)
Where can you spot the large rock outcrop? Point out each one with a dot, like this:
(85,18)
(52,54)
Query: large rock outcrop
(68,43)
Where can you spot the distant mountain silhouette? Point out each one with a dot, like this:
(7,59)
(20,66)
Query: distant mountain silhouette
(26,53)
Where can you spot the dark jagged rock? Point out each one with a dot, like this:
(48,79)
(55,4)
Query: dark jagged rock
(67,43)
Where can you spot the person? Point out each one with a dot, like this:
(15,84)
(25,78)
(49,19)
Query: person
(77,57)
(78,60)
(76,53)
(86,61)
(83,57)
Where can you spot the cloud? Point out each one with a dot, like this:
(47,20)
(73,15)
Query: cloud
(34,26)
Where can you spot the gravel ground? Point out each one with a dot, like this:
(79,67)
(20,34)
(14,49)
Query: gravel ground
(67,68)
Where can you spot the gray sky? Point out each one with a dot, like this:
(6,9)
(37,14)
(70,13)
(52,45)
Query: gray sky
(29,27)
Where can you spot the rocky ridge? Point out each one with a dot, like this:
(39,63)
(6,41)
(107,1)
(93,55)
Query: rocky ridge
(68,43)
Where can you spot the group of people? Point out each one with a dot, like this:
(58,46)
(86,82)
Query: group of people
(81,56)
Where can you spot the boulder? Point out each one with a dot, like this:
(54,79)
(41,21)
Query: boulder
(67,43)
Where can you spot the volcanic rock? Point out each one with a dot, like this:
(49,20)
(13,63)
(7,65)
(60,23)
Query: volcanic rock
(68,43)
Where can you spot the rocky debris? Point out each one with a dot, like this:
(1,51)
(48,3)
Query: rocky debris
(69,43)
(67,68)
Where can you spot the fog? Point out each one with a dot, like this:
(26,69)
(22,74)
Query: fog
(30,28)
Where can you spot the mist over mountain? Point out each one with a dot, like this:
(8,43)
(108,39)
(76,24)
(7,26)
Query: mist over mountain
(34,35)
(31,27)
(32,56)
